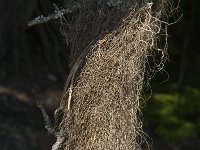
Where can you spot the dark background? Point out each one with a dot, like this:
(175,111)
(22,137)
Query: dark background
(33,68)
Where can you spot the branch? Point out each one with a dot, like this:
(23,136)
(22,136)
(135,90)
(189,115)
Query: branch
(58,13)
(47,121)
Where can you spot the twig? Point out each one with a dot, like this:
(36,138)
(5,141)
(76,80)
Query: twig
(58,144)
(47,121)
(48,126)
(57,14)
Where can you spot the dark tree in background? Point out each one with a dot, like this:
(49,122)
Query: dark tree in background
(26,54)
(24,49)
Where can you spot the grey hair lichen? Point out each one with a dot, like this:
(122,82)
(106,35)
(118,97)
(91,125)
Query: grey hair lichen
(111,42)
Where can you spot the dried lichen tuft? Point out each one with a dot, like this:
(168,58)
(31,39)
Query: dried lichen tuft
(110,50)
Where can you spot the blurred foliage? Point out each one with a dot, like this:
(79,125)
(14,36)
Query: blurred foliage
(174,115)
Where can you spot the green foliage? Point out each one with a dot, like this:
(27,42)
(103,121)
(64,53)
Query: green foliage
(175,115)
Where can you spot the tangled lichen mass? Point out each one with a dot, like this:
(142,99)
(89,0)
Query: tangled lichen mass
(111,42)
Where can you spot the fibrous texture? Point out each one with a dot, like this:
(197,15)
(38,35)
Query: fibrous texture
(110,50)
